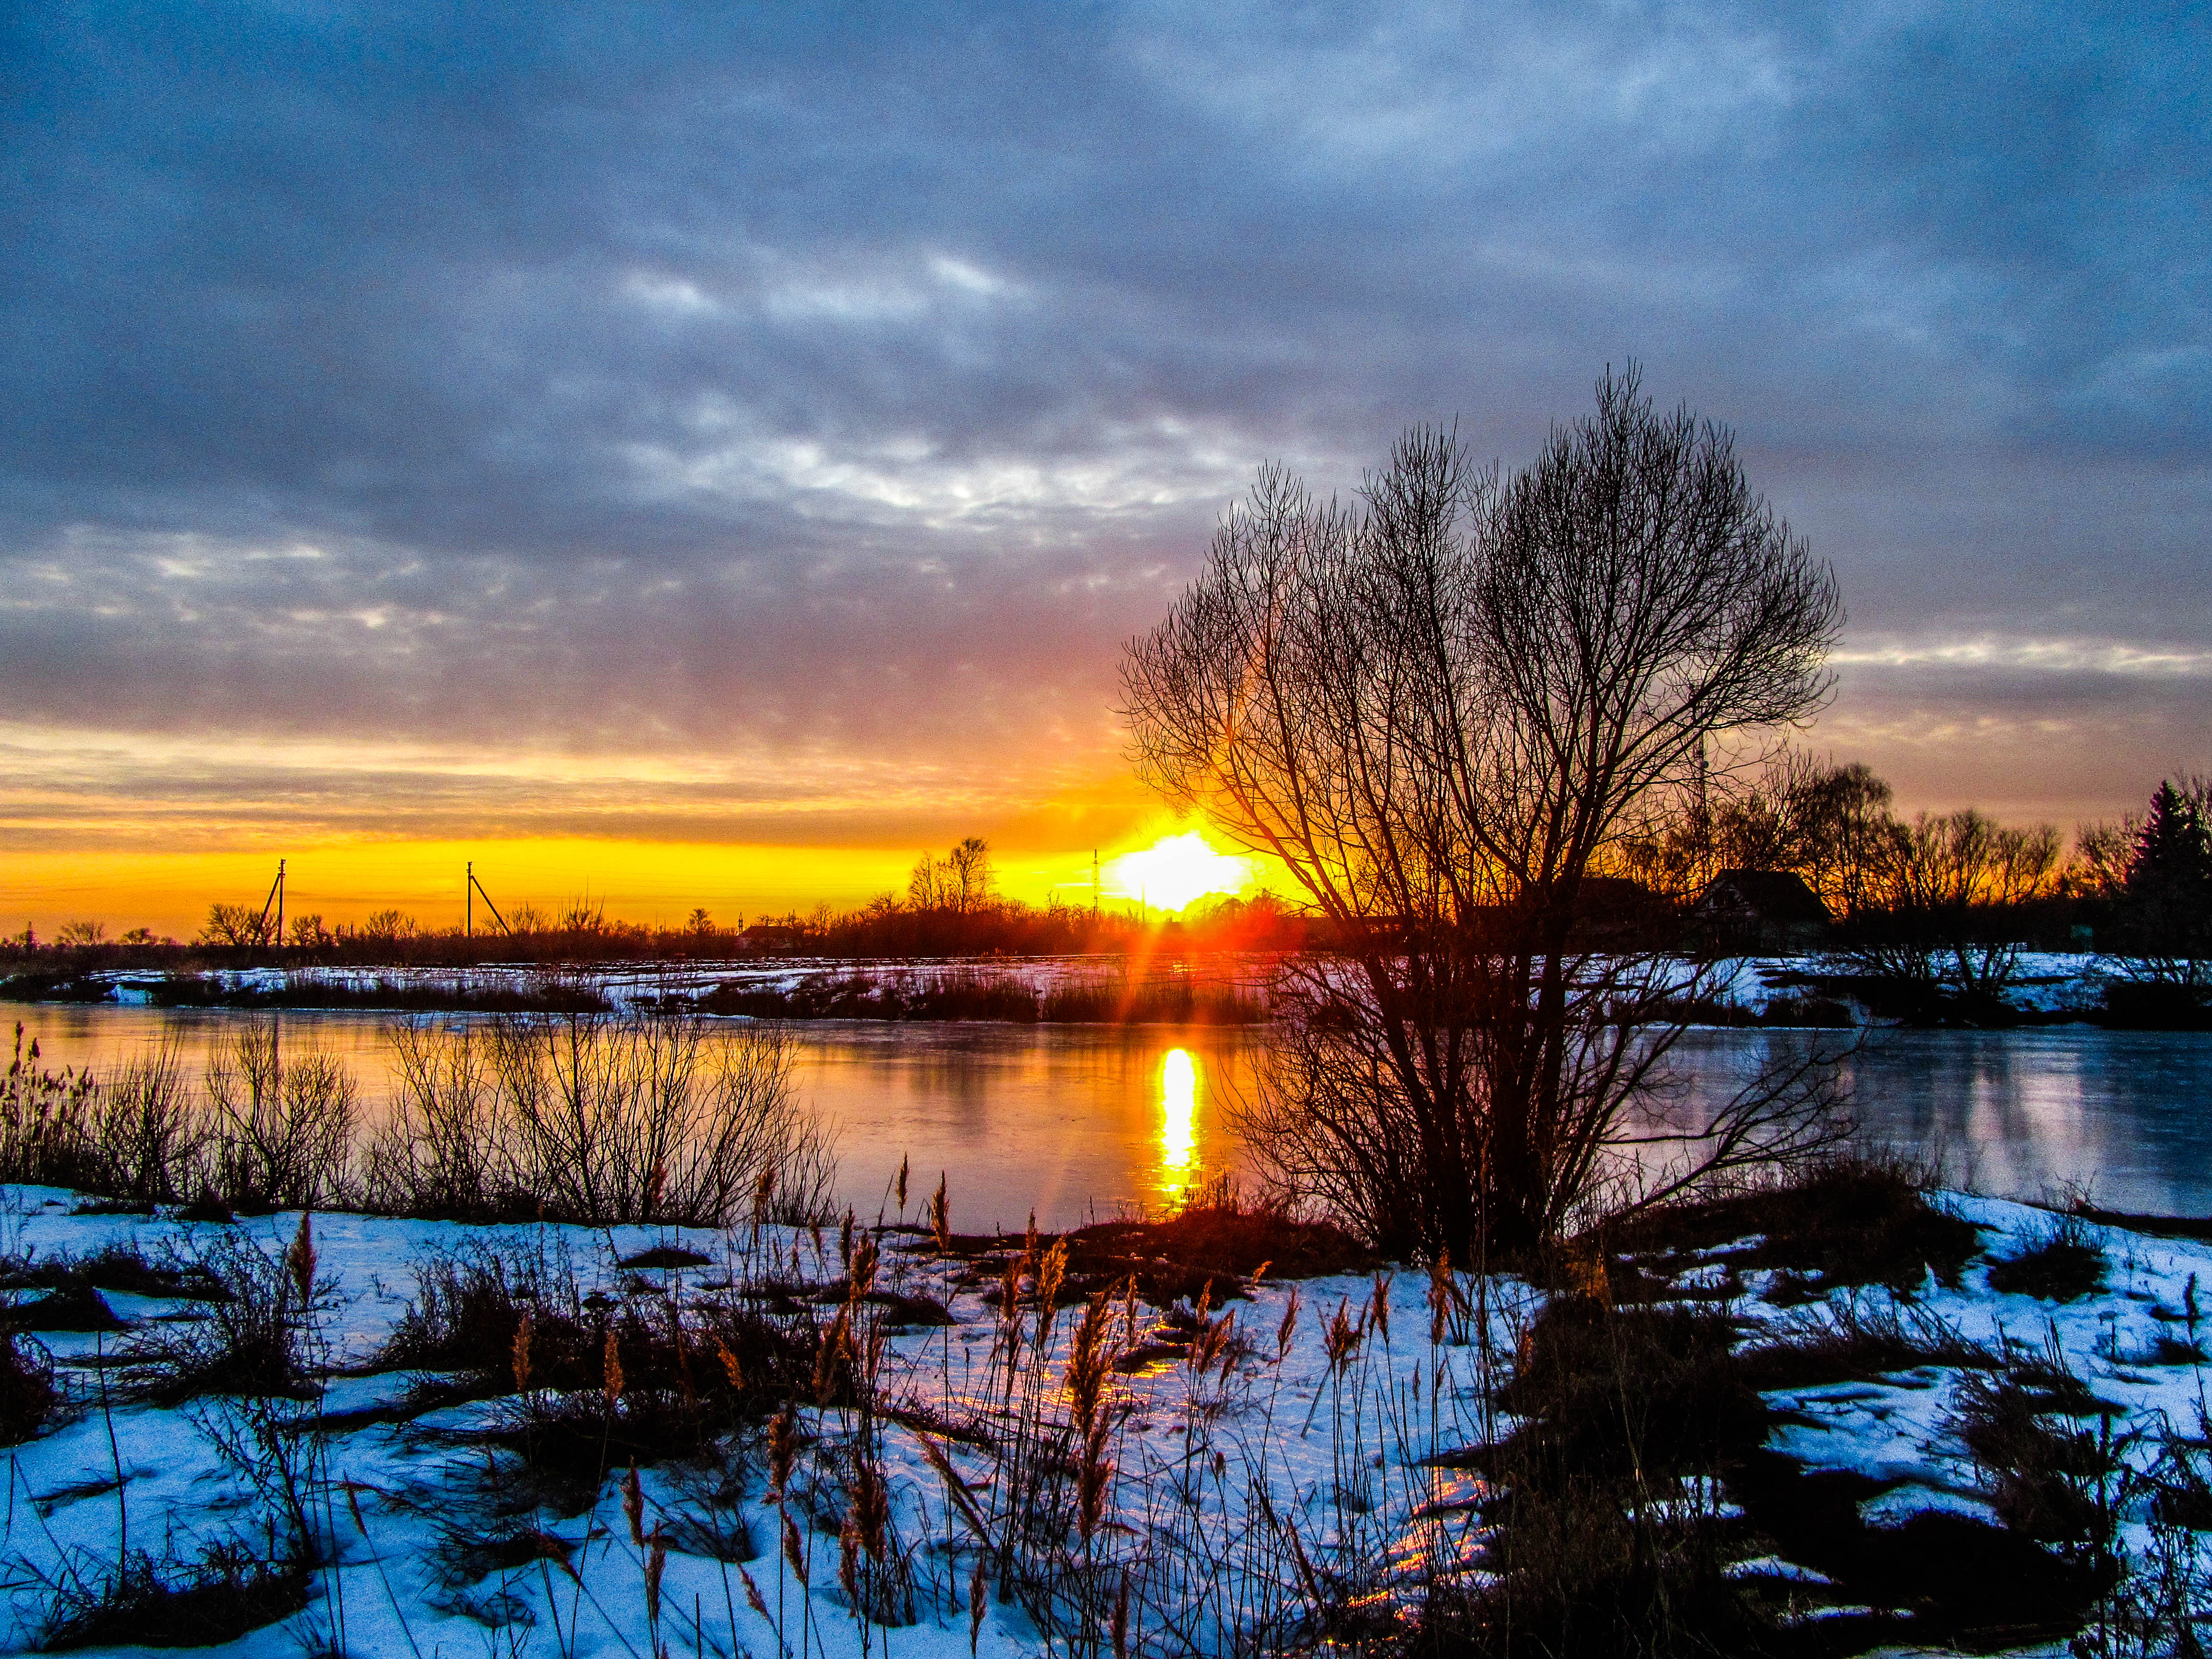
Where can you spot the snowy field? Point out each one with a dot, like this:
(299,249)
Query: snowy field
(1297,1438)
(2047,983)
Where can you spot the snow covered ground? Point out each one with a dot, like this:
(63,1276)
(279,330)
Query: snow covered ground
(627,985)
(1309,1449)
(2048,983)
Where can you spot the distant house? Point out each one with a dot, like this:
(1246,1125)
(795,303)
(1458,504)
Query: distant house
(1762,909)
(764,938)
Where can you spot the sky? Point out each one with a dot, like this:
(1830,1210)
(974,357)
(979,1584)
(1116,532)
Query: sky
(707,455)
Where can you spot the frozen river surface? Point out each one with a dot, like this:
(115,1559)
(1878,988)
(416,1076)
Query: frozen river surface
(1075,1121)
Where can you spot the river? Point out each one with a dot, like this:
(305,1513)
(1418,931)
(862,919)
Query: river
(1077,1121)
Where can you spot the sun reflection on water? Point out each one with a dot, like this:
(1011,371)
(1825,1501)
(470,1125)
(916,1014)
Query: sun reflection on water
(1178,1120)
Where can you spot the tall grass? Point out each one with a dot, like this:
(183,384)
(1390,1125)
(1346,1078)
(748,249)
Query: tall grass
(592,1118)
(280,1129)
(43,1119)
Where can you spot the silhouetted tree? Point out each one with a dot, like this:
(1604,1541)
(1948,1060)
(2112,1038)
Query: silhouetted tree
(925,886)
(2167,899)
(1944,910)
(967,876)
(1442,710)
(234,924)
(1829,824)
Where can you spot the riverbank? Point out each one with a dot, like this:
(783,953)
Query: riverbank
(1081,990)
(1864,1415)
(1809,990)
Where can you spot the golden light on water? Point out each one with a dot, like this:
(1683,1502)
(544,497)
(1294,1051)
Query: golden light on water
(1178,1121)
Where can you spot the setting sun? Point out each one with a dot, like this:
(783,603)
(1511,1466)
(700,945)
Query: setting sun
(1177,869)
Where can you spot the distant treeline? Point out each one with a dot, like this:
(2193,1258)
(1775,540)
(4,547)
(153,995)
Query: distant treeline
(1926,918)
(1931,916)
(942,923)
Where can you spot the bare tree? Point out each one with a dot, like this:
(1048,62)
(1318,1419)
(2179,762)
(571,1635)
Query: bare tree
(1444,710)
(1947,893)
(1828,824)
(234,924)
(968,877)
(925,887)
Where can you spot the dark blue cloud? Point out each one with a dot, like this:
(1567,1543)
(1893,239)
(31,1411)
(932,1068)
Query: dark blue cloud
(682,374)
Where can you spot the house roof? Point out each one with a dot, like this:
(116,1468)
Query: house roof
(1776,896)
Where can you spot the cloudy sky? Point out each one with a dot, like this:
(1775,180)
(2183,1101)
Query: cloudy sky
(751,431)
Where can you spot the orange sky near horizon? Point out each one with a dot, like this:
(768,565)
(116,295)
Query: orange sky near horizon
(655,882)
(152,844)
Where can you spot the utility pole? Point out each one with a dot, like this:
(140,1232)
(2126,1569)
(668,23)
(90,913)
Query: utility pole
(276,899)
(469,896)
(475,890)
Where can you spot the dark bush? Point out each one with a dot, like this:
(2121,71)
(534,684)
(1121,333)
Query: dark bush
(122,1266)
(1854,1340)
(231,1588)
(2065,1263)
(1845,1220)
(1606,1392)
(1579,1577)
(2150,1005)
(1211,1246)
(450,994)
(2056,1478)
(252,1338)
(73,1307)
(688,1370)
(1171,1001)
(28,1394)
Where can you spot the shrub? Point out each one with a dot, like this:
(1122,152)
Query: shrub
(651,1118)
(251,1339)
(281,1132)
(1579,1577)
(470,1301)
(28,1394)
(123,1265)
(1609,1392)
(1163,1001)
(1607,1536)
(232,1587)
(2064,1263)
(1848,1219)
(42,1119)
(1208,1249)
(2053,1479)
(145,1129)
(73,1308)
(439,1151)
(1855,1338)
(582,1118)
(515,1323)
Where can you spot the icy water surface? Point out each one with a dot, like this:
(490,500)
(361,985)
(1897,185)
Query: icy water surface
(1081,1120)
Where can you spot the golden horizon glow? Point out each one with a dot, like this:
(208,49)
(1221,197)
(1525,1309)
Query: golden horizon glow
(1178,1121)
(654,883)
(1177,871)
(164,874)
